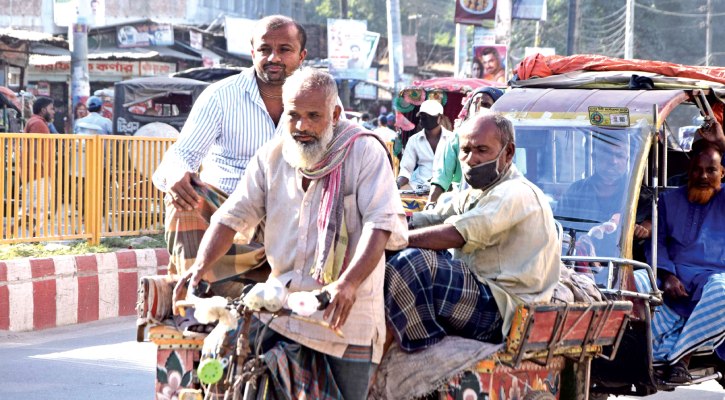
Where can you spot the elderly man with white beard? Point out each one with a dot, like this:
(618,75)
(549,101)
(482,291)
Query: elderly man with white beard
(326,191)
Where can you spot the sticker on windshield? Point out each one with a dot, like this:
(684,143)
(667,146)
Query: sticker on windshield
(609,116)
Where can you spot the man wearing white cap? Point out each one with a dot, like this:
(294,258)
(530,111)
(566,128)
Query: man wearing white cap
(424,148)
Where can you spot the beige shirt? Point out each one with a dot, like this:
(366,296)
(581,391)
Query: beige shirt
(511,241)
(272,189)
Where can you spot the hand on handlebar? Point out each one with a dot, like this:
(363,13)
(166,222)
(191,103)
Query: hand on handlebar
(191,278)
(343,295)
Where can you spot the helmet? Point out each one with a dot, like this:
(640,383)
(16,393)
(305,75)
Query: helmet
(94,102)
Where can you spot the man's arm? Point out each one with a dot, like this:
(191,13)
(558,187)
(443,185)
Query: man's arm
(216,242)
(182,160)
(712,132)
(407,164)
(443,174)
(439,237)
(369,251)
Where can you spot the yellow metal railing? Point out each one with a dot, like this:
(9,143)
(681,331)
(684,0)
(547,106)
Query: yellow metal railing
(58,187)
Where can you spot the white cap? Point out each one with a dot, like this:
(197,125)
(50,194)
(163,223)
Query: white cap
(431,107)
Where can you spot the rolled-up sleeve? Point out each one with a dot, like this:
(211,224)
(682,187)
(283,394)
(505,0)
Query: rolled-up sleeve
(196,138)
(377,195)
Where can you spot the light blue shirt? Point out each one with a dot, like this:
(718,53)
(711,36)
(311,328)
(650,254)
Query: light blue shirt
(227,125)
(93,124)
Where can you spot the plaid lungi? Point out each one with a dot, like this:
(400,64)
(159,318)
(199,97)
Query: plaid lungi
(428,295)
(184,230)
(674,336)
(298,372)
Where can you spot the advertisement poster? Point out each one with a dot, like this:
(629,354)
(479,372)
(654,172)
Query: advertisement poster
(143,35)
(491,61)
(473,12)
(410,51)
(529,9)
(350,48)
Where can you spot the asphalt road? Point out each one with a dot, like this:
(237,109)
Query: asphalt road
(97,360)
(101,360)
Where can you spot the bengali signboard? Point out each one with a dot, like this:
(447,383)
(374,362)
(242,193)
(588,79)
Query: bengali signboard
(474,12)
(143,35)
(107,68)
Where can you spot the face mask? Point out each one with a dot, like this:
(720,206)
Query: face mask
(482,176)
(428,121)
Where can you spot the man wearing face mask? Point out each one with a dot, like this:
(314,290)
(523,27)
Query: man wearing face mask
(505,249)
(424,148)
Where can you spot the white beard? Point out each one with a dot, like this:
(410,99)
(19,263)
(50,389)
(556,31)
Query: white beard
(305,155)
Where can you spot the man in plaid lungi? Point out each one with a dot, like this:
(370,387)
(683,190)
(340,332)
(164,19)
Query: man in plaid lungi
(505,249)
(229,122)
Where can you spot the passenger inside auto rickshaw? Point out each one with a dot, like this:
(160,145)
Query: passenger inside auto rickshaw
(424,148)
(691,263)
(599,198)
(447,173)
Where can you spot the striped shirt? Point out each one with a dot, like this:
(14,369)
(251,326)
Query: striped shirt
(227,125)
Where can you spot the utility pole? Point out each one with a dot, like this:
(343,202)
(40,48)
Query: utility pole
(572,32)
(80,82)
(395,46)
(708,33)
(344,84)
(629,30)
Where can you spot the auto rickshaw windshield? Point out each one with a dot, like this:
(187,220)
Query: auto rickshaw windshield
(590,176)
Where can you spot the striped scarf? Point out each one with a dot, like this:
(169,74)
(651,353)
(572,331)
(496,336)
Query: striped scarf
(332,258)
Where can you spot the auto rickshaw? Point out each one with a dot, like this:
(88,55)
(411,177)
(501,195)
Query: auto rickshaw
(160,100)
(636,111)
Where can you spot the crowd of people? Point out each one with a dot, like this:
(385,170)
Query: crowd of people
(293,191)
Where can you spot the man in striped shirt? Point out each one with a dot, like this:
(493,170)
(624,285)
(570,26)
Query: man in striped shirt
(229,122)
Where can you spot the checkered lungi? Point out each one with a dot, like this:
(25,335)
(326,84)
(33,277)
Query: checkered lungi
(184,230)
(674,336)
(298,372)
(428,295)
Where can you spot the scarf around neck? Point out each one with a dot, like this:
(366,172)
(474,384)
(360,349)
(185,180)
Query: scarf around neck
(332,254)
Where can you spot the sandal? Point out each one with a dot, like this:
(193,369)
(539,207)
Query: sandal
(190,327)
(679,373)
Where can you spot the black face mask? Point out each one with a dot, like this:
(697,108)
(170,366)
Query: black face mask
(483,176)
(428,121)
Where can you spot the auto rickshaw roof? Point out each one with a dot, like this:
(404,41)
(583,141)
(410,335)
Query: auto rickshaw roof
(574,103)
(137,90)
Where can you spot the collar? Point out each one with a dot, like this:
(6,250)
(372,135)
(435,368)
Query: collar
(445,134)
